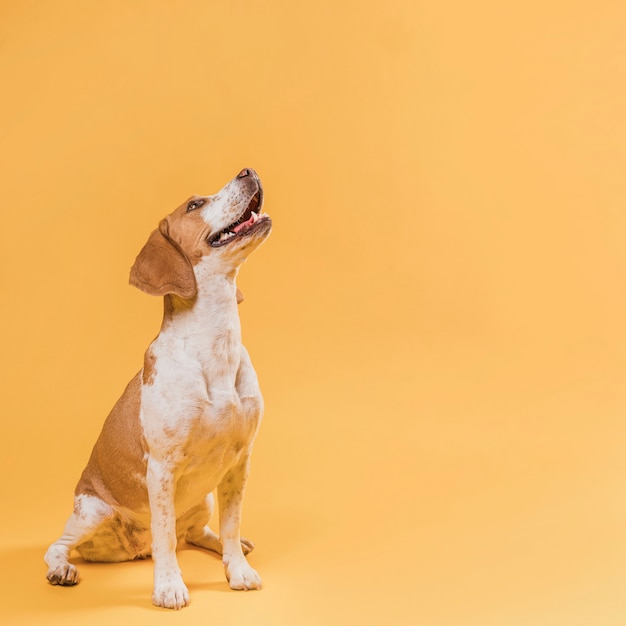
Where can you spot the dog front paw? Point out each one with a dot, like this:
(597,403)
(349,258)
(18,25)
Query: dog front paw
(170,592)
(242,577)
(66,575)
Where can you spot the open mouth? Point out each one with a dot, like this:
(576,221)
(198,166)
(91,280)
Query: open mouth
(247,223)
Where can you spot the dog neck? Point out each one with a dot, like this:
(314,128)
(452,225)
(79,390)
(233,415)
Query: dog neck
(205,328)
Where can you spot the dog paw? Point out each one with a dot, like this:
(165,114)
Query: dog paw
(170,593)
(210,541)
(242,577)
(66,575)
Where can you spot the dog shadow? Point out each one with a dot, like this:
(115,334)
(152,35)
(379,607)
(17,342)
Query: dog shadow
(129,584)
(102,585)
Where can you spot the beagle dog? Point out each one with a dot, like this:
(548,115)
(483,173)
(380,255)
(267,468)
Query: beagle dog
(185,424)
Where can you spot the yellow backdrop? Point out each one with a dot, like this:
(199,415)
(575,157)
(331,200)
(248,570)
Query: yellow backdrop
(438,320)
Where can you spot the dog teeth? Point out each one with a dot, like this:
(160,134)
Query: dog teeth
(225,236)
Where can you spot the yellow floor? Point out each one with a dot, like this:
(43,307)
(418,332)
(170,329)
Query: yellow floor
(438,319)
(366,516)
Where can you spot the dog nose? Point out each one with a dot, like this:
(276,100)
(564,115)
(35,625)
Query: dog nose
(244,172)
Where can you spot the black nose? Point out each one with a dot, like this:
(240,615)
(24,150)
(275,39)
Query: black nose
(244,172)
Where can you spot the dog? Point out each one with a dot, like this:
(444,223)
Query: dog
(185,425)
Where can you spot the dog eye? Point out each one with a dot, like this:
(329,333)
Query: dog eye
(194,204)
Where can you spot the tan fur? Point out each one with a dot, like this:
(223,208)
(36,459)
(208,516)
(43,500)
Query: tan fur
(121,439)
(162,267)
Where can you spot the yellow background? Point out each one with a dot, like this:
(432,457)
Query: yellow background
(438,320)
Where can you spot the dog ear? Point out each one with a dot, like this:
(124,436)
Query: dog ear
(162,267)
(239,296)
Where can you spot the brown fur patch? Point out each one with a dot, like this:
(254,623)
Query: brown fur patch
(116,471)
(149,369)
(190,232)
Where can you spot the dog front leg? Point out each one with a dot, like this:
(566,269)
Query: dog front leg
(230,497)
(170,591)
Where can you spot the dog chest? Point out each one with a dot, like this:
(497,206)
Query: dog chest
(206,458)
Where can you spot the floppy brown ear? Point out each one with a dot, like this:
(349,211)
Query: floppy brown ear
(162,267)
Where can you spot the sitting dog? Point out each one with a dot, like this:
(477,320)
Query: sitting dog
(185,424)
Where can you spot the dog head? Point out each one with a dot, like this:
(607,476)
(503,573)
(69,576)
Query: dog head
(219,231)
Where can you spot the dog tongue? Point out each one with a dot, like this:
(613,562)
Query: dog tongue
(245,224)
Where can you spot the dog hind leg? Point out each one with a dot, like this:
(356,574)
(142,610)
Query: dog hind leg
(198,533)
(88,515)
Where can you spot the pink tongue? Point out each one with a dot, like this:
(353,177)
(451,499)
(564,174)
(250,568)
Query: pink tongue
(244,224)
